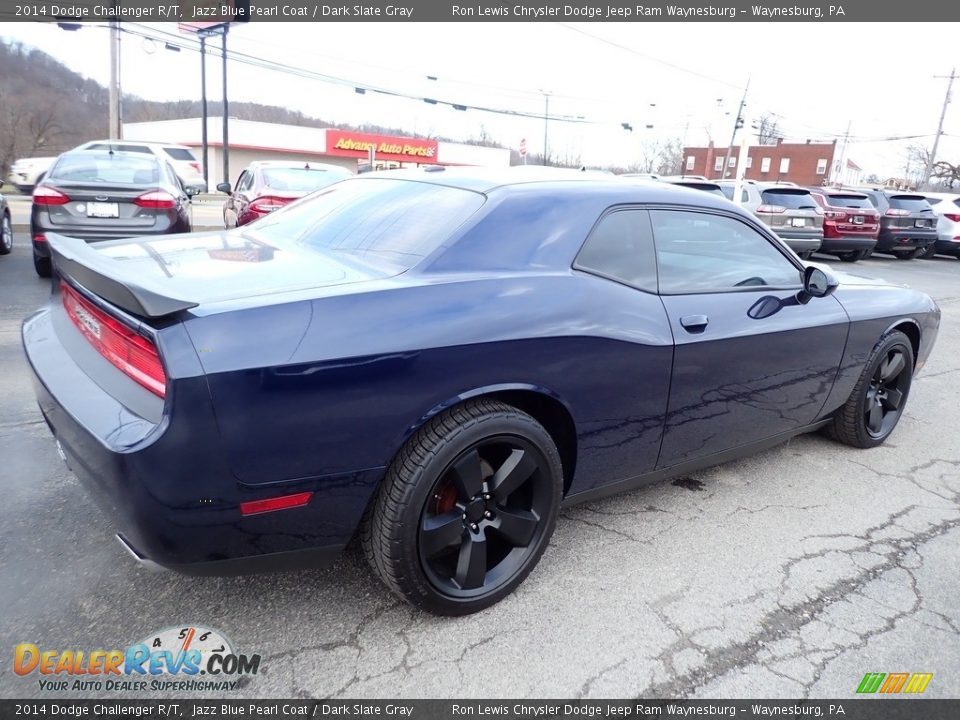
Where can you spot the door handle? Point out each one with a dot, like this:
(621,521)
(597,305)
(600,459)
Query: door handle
(694,323)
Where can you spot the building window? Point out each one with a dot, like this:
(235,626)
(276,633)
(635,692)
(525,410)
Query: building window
(765,165)
(733,161)
(749,163)
(821,166)
(784,165)
(691,160)
(718,165)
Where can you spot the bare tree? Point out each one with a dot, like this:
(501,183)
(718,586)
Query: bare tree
(768,129)
(663,157)
(946,173)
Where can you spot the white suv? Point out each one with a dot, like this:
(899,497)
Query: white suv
(947,208)
(180,157)
(27,172)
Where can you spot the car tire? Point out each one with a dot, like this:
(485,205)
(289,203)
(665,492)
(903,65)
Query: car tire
(42,265)
(928,252)
(877,402)
(466,510)
(907,254)
(6,235)
(853,255)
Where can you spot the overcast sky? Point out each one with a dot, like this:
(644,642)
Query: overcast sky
(685,79)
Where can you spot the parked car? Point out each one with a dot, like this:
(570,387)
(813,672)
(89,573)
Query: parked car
(6,228)
(27,172)
(946,206)
(267,186)
(186,165)
(98,196)
(851,223)
(908,224)
(438,361)
(695,184)
(790,211)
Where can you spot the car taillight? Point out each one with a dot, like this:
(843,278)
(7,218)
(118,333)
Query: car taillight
(127,350)
(39,237)
(835,214)
(894,212)
(953,217)
(46,195)
(156,200)
(771,209)
(268,204)
(283,502)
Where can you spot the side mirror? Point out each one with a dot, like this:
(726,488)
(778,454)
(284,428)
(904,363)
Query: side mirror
(224,187)
(817,283)
(191,191)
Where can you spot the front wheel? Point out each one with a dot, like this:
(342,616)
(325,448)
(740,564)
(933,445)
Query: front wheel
(928,252)
(6,235)
(466,509)
(853,255)
(874,407)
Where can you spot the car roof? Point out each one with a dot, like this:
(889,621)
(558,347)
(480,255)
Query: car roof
(131,141)
(838,191)
(295,164)
(515,178)
(780,186)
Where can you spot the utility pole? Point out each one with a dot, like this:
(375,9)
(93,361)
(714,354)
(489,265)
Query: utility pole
(114,130)
(546,120)
(838,177)
(737,124)
(226,113)
(936,140)
(203,107)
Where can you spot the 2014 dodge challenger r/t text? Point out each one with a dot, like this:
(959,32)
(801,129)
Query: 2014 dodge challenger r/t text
(437,360)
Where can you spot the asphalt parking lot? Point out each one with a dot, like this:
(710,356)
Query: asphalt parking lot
(789,574)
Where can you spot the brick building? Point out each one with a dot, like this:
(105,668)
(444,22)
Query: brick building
(806,163)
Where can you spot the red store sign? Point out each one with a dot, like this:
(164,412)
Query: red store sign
(386,147)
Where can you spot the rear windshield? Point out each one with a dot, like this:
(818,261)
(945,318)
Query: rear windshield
(912,203)
(301,179)
(104,168)
(790,199)
(849,201)
(121,147)
(180,154)
(378,220)
(727,191)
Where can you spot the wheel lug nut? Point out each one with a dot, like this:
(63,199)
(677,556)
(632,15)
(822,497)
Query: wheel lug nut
(487,496)
(474,527)
(488,515)
(464,516)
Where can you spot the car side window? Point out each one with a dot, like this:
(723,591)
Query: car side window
(244,182)
(621,248)
(702,253)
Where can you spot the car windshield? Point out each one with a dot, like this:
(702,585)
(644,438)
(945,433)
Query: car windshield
(106,168)
(301,179)
(790,199)
(849,201)
(727,191)
(385,220)
(910,203)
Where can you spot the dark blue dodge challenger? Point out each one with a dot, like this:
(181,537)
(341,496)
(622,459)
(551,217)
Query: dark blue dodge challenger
(436,361)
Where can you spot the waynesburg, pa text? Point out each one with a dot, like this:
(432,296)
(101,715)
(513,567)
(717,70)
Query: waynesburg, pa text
(615,12)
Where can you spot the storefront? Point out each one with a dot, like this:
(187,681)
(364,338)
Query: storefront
(250,141)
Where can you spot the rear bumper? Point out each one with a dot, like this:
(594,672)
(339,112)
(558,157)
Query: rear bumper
(948,247)
(800,242)
(847,244)
(905,239)
(165,485)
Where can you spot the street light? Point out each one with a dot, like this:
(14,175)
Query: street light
(546,119)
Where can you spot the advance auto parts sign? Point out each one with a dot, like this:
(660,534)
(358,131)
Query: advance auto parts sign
(386,147)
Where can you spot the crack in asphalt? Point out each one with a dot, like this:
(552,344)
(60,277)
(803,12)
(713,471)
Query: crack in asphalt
(788,620)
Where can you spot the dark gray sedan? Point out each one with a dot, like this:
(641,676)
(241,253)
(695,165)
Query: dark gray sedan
(105,196)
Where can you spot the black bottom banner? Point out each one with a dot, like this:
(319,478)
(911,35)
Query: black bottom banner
(847,709)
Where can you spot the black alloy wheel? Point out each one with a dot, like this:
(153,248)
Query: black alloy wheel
(6,235)
(466,509)
(886,393)
(484,516)
(878,400)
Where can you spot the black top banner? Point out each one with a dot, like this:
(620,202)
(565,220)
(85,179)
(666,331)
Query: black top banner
(206,13)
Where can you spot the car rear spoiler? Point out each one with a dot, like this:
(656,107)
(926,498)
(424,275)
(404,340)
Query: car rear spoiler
(104,276)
